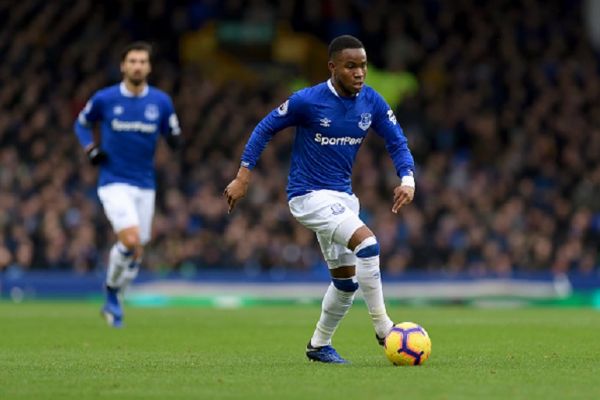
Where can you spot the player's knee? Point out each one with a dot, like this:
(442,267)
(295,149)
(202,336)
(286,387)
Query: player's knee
(369,247)
(131,240)
(345,285)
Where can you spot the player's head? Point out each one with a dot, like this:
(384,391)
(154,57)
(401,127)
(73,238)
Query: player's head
(135,62)
(347,64)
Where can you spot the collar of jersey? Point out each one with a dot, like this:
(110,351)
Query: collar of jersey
(332,88)
(125,92)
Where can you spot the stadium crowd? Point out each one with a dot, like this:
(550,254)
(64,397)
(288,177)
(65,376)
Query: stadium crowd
(505,130)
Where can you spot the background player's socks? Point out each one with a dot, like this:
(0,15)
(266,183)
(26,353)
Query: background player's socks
(369,279)
(118,261)
(336,304)
(130,273)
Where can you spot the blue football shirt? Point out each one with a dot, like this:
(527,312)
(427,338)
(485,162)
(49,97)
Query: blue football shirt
(129,127)
(329,131)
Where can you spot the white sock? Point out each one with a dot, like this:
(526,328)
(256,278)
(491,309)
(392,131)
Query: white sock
(336,304)
(130,273)
(118,262)
(369,281)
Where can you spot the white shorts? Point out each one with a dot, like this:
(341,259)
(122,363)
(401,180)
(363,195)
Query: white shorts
(323,211)
(126,206)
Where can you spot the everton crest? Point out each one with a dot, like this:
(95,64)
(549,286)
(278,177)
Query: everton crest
(337,208)
(151,113)
(365,121)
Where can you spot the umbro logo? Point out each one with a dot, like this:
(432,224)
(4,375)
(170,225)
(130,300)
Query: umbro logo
(325,122)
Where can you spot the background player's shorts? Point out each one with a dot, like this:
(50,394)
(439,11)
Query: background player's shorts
(126,206)
(322,211)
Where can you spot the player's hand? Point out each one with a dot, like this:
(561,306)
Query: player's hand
(96,155)
(236,189)
(402,195)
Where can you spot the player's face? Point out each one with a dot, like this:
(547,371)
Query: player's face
(349,70)
(136,66)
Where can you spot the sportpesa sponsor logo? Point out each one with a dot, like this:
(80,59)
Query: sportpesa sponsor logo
(133,126)
(332,141)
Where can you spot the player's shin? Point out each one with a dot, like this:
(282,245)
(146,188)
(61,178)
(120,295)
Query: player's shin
(369,278)
(119,259)
(131,273)
(336,303)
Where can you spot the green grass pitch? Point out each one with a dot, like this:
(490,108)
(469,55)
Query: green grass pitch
(63,350)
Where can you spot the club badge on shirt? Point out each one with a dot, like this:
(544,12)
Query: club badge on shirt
(337,208)
(365,121)
(151,112)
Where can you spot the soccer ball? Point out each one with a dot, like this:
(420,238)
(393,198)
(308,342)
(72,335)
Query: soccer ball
(407,344)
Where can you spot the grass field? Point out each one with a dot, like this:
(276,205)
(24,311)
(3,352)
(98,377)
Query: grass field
(64,351)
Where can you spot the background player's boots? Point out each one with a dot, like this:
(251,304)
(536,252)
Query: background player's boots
(111,311)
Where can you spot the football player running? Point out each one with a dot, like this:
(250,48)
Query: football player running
(332,120)
(131,115)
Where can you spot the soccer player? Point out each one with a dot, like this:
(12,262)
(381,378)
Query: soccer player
(131,116)
(332,120)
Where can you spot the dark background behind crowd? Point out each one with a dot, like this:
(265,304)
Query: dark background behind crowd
(504,124)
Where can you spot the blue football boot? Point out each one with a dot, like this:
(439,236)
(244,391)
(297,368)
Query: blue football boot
(324,354)
(112,311)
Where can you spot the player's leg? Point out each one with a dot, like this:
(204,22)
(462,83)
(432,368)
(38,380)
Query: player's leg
(122,257)
(126,263)
(364,244)
(144,203)
(118,201)
(336,304)
(320,212)
(334,307)
(334,217)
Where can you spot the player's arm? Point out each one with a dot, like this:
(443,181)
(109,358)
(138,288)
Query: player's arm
(287,114)
(170,127)
(83,126)
(385,125)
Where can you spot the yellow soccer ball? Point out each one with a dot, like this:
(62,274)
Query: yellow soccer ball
(407,344)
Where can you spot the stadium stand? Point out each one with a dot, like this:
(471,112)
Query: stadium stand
(503,118)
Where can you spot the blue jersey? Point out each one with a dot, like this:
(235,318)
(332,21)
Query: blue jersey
(129,126)
(329,132)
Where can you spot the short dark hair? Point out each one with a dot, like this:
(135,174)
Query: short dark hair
(140,45)
(344,42)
